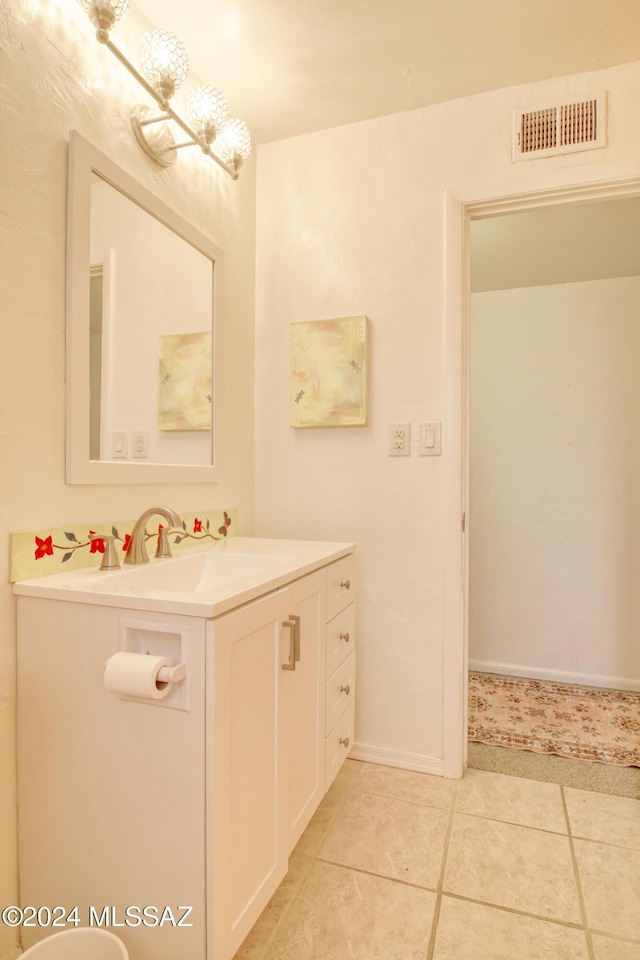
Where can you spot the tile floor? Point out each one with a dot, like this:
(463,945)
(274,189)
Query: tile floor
(405,866)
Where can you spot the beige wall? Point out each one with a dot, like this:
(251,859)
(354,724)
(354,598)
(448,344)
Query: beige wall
(559,244)
(555,470)
(54,77)
(350,221)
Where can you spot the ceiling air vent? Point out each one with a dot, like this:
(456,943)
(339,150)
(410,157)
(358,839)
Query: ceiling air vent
(559,128)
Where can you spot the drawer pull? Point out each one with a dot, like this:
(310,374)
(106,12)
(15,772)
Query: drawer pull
(345,637)
(344,741)
(345,584)
(296,620)
(346,689)
(294,646)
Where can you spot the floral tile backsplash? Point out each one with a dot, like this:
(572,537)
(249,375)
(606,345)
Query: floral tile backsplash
(41,552)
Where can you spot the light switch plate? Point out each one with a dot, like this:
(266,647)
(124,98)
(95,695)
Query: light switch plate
(430,439)
(119,445)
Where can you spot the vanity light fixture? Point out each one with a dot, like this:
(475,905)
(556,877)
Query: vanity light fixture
(103,14)
(164,62)
(233,140)
(164,65)
(207,111)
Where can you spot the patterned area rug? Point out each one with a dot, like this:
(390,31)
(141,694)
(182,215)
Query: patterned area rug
(585,723)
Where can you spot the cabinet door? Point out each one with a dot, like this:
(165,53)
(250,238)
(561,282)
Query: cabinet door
(247,727)
(305,703)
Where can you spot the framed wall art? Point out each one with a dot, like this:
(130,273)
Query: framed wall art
(328,373)
(184,392)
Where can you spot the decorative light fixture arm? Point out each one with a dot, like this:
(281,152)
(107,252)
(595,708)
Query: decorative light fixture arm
(164,61)
(170,114)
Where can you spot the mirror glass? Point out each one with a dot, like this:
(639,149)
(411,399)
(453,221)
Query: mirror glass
(141,288)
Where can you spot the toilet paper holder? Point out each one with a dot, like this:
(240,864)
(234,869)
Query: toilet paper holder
(130,683)
(169,644)
(173,674)
(169,674)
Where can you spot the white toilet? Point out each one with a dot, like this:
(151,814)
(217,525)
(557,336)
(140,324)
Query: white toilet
(82,943)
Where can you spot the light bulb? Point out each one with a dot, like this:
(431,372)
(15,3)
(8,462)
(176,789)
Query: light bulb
(164,61)
(233,143)
(103,14)
(207,111)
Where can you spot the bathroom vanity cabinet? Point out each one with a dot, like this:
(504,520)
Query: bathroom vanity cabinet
(197,799)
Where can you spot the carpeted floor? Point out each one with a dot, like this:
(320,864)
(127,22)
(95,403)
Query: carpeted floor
(581,774)
(568,720)
(522,727)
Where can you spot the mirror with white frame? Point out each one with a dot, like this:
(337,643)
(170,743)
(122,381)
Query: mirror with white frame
(141,283)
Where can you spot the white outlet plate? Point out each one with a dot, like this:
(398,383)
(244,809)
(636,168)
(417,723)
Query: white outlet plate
(140,444)
(399,440)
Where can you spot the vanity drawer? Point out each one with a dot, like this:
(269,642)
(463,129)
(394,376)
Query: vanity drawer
(341,585)
(338,744)
(340,691)
(340,638)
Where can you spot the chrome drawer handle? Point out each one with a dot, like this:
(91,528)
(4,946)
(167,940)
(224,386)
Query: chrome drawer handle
(346,689)
(292,624)
(345,741)
(345,583)
(345,637)
(296,620)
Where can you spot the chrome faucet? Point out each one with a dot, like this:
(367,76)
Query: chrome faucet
(137,552)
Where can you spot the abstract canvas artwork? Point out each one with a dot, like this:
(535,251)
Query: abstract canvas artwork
(185,388)
(328,374)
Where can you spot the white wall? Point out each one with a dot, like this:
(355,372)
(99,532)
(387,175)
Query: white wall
(555,473)
(350,221)
(55,77)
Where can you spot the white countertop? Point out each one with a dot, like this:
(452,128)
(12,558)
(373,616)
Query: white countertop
(179,590)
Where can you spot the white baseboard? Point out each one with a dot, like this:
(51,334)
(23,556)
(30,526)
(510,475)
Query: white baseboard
(393,758)
(559,676)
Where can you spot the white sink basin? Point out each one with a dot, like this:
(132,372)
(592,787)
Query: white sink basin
(205,583)
(193,573)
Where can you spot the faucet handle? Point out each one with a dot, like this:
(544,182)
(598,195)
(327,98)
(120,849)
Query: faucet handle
(162,548)
(110,559)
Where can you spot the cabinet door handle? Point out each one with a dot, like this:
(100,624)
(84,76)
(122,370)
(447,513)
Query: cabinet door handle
(346,689)
(296,631)
(345,584)
(345,637)
(292,625)
(344,741)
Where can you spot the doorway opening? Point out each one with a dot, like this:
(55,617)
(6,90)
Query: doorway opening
(554,466)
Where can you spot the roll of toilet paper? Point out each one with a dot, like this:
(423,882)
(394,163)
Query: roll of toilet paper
(136,675)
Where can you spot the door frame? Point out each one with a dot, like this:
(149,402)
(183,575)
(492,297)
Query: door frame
(461,207)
